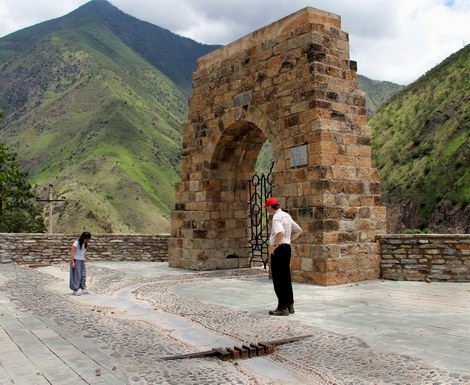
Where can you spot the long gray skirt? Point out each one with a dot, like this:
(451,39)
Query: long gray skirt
(78,275)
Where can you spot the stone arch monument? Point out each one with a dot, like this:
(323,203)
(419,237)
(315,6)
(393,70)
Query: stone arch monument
(291,83)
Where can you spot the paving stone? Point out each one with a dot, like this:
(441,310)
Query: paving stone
(86,336)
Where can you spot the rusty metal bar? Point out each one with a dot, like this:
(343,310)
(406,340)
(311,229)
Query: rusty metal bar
(245,351)
(286,340)
(251,351)
(207,353)
(268,348)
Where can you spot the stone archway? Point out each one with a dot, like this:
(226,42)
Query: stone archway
(214,204)
(292,83)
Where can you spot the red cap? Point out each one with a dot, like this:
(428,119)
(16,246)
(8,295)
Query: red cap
(270,202)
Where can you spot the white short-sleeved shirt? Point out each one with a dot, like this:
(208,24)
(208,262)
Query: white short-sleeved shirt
(283,222)
(79,254)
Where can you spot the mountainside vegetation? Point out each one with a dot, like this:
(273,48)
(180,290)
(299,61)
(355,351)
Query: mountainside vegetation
(19,211)
(421,145)
(94,103)
(88,114)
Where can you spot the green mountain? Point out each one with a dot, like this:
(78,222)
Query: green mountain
(86,112)
(94,103)
(421,145)
(172,54)
(377,92)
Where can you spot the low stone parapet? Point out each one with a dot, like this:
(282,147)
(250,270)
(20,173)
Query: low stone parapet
(425,257)
(55,248)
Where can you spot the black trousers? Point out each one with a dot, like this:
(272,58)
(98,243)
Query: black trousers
(282,281)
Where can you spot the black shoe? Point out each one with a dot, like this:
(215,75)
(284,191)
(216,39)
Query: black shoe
(291,309)
(279,312)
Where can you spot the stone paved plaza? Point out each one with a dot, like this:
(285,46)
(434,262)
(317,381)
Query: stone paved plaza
(373,332)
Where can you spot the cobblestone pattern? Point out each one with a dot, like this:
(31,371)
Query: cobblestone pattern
(138,344)
(292,83)
(55,248)
(432,257)
(111,280)
(327,358)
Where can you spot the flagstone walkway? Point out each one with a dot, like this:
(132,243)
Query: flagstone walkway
(375,332)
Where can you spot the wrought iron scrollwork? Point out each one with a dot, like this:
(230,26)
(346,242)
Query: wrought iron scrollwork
(260,190)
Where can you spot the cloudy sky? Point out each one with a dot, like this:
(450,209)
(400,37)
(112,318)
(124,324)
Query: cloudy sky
(395,40)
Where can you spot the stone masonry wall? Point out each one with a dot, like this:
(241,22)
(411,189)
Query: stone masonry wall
(433,257)
(291,83)
(54,248)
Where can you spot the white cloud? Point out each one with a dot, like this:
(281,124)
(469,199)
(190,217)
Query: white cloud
(427,31)
(391,40)
(18,14)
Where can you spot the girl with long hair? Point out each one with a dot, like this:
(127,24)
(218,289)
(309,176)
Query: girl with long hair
(77,264)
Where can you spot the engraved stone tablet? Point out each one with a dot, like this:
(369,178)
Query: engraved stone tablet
(298,156)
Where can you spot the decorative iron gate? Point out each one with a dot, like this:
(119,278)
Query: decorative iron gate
(260,190)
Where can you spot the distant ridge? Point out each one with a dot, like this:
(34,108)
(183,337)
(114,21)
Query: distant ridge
(173,55)
(377,92)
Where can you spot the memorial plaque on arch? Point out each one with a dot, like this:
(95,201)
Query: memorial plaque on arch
(298,156)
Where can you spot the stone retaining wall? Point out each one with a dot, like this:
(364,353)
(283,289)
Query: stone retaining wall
(54,248)
(433,257)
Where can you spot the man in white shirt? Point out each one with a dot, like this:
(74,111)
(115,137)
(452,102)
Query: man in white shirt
(283,231)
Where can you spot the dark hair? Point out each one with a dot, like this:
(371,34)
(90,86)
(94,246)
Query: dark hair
(275,207)
(81,240)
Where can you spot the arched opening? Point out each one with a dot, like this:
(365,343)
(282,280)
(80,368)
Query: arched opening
(232,166)
(261,188)
(265,159)
(236,152)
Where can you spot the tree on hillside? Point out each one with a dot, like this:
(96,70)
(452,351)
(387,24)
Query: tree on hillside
(18,211)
